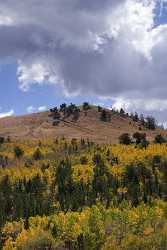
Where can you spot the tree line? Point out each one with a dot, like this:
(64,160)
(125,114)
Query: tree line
(72,111)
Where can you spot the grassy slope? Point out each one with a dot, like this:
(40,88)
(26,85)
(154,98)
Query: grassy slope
(88,126)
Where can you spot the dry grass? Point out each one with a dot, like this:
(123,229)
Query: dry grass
(39,126)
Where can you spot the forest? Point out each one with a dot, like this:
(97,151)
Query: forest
(59,194)
(83,124)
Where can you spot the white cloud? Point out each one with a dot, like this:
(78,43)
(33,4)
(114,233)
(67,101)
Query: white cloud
(36,73)
(42,108)
(31,109)
(10,113)
(5,20)
(140,104)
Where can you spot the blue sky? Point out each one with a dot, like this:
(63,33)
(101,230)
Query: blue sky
(45,95)
(161,15)
(107,52)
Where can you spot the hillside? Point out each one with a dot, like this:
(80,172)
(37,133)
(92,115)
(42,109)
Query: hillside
(78,195)
(88,125)
(74,194)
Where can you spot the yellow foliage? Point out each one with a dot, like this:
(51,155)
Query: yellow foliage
(82,173)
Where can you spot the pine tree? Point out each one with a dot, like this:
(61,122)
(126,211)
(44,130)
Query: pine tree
(18,152)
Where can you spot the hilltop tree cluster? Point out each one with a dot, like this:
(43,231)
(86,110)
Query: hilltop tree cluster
(65,111)
(72,111)
(148,122)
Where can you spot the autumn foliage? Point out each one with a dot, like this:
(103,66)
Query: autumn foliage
(58,194)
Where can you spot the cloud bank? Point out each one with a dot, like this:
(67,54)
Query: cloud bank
(109,48)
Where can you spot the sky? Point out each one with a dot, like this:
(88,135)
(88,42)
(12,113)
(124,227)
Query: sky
(110,52)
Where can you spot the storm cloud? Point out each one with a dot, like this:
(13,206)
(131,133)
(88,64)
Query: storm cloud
(110,48)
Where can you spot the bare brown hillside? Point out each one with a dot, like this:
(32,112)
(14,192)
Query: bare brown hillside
(89,125)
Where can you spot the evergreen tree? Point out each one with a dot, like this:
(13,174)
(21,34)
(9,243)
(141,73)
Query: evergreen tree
(2,140)
(139,137)
(142,120)
(76,113)
(150,123)
(99,108)
(159,139)
(63,108)
(86,106)
(56,116)
(64,183)
(18,152)
(136,117)
(105,116)
(37,155)
(122,112)
(100,177)
(125,139)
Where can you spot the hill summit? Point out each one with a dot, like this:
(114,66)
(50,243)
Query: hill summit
(93,122)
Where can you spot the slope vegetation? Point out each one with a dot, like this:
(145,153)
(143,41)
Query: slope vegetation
(88,125)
